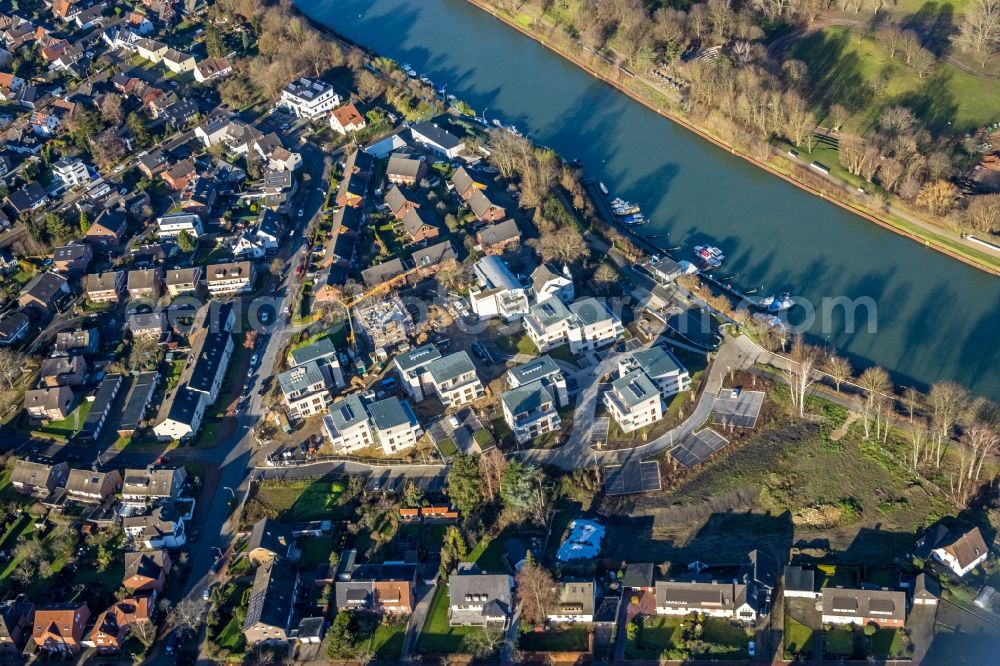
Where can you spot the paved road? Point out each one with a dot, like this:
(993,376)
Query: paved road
(416,622)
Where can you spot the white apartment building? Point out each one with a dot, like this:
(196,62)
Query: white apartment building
(72,172)
(530,411)
(305,389)
(309,98)
(542,369)
(660,366)
(352,424)
(498,293)
(347,425)
(455,380)
(546,283)
(231,278)
(412,368)
(170,226)
(584,324)
(634,401)
(395,425)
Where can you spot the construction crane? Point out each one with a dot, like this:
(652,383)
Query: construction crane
(377,290)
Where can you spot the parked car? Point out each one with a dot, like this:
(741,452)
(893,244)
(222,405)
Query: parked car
(206,594)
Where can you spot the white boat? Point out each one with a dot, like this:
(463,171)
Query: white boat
(780,303)
(513,130)
(604,188)
(425,79)
(709,256)
(496,122)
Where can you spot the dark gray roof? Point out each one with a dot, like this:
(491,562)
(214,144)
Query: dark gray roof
(656,361)
(383,272)
(145,321)
(434,255)
(271,596)
(346,412)
(798,579)
(451,366)
(539,368)
(138,400)
(436,134)
(314,351)
(634,388)
(397,197)
(354,593)
(27,197)
(527,398)
(72,252)
(45,286)
(185,403)
(462,180)
(590,310)
(390,413)
(401,165)
(480,203)
(208,365)
(270,535)
(638,574)
(416,357)
(414,221)
(99,409)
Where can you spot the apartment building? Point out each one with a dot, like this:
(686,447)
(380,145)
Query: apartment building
(455,380)
(229,279)
(660,366)
(530,411)
(305,389)
(634,401)
(412,368)
(308,98)
(545,370)
(585,324)
(498,293)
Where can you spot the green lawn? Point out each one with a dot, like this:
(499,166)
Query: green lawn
(842,63)
(657,635)
(887,643)
(839,642)
(447,447)
(518,345)
(231,637)
(73,421)
(727,640)
(563,354)
(561,638)
(437,636)
(302,500)
(798,638)
(484,439)
(316,550)
(387,641)
(488,554)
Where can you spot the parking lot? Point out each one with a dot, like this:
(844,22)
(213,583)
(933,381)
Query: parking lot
(460,428)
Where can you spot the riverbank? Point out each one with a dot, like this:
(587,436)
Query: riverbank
(896,220)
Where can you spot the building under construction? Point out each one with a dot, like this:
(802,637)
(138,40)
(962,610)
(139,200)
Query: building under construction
(384,322)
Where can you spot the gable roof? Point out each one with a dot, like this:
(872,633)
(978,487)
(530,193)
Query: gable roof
(434,255)
(527,398)
(270,535)
(436,134)
(480,203)
(500,232)
(414,221)
(451,366)
(964,544)
(271,595)
(403,165)
(348,114)
(397,197)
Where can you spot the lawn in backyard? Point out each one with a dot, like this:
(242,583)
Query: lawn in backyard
(488,554)
(300,500)
(437,636)
(231,637)
(725,639)
(72,423)
(558,638)
(839,641)
(657,635)
(387,641)
(887,643)
(797,638)
(316,550)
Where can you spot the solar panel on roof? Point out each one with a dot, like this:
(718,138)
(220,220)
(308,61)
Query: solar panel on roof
(346,413)
(636,389)
(548,309)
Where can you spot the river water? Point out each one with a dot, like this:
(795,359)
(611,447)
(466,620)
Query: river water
(936,318)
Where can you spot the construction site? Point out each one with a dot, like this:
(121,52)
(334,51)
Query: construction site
(383,322)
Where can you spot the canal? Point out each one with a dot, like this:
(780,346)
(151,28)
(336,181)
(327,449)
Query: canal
(936,318)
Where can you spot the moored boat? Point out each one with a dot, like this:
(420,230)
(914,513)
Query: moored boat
(708,256)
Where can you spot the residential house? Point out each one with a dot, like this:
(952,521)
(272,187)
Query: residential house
(958,546)
(799,582)
(387,589)
(181,281)
(161,528)
(44,123)
(353,187)
(305,389)
(171,226)
(146,571)
(429,260)
(72,172)
(9,85)
(108,229)
(542,369)
(347,425)
(269,539)
(137,402)
(323,352)
(29,198)
(16,617)
(57,629)
(77,341)
(418,227)
(184,413)
(661,366)
(346,119)
(153,163)
(63,371)
(113,626)
(394,425)
(598,326)
(42,293)
(479,599)
(390,273)
(437,139)
(484,208)
(180,175)
(13,326)
(150,49)
(144,487)
(455,380)
(177,62)
(639,577)
(465,184)
(546,283)
(92,486)
(72,258)
(228,279)
(401,201)
(147,324)
(49,404)
(210,69)
(179,114)
(384,322)
(499,238)
(530,411)
(272,603)
(405,171)
(585,324)
(498,293)
(665,270)
(577,602)
(634,401)
(38,479)
(884,608)
(308,98)
(104,287)
(412,368)
(730,599)
(100,408)
(145,283)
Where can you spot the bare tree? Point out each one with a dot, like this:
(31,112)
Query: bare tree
(912,401)
(875,382)
(839,369)
(923,62)
(536,590)
(492,464)
(186,613)
(947,401)
(801,372)
(983,213)
(11,366)
(980,29)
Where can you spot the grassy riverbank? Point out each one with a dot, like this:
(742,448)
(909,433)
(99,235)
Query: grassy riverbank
(839,192)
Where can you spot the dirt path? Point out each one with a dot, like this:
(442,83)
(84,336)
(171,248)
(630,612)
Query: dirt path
(839,433)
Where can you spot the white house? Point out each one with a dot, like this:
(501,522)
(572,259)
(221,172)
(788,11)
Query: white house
(634,401)
(177,62)
(455,380)
(308,98)
(530,411)
(961,549)
(347,425)
(230,278)
(584,324)
(546,283)
(170,226)
(577,602)
(729,599)
(542,369)
(352,424)
(71,171)
(305,389)
(212,68)
(660,366)
(412,368)
(498,293)
(347,119)
(162,528)
(437,139)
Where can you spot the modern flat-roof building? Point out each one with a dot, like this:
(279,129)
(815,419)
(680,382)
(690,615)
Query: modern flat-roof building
(530,411)
(352,424)
(498,293)
(455,380)
(545,370)
(412,368)
(308,98)
(660,366)
(634,401)
(585,324)
(305,389)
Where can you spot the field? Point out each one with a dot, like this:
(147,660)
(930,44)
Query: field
(842,63)
(301,500)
